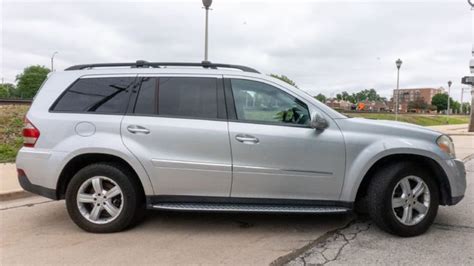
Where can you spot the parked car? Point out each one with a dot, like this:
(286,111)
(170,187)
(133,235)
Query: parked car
(116,139)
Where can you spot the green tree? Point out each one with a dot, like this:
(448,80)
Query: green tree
(285,79)
(440,100)
(418,104)
(12,91)
(367,94)
(6,90)
(455,107)
(320,97)
(345,96)
(466,108)
(432,107)
(30,80)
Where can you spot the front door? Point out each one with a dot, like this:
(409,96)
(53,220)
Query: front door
(275,152)
(178,130)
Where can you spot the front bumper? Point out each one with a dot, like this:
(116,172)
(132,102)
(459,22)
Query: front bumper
(457,180)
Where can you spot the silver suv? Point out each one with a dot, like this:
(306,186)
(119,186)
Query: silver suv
(116,139)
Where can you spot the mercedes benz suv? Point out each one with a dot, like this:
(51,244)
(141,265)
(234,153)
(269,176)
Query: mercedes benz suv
(116,139)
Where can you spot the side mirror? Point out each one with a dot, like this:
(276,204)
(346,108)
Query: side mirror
(318,122)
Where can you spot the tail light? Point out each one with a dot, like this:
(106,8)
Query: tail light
(30,134)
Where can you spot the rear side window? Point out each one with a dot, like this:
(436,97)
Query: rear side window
(179,96)
(96,95)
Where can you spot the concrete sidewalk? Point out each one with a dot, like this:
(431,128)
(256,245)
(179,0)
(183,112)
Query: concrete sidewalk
(463,141)
(454,130)
(9,186)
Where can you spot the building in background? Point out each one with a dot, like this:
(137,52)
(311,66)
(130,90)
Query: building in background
(373,106)
(339,105)
(406,96)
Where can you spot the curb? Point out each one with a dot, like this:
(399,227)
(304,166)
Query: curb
(12,195)
(468,158)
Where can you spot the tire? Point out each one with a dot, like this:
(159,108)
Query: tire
(390,181)
(105,212)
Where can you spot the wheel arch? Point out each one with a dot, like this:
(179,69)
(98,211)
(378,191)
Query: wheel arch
(81,160)
(434,168)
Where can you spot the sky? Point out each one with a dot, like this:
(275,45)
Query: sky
(324,46)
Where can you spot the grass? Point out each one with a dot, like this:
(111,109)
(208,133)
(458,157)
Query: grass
(418,119)
(11,124)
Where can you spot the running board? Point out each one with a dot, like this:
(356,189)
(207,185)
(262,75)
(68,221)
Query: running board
(212,207)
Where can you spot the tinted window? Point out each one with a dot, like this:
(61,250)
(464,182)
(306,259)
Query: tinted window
(178,96)
(260,102)
(100,95)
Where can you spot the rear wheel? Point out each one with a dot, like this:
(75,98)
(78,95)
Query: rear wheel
(403,199)
(102,198)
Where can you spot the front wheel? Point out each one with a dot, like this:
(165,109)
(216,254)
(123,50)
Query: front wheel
(102,198)
(403,199)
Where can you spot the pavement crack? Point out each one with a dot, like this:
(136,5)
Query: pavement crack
(326,248)
(303,260)
(26,205)
(455,227)
(346,240)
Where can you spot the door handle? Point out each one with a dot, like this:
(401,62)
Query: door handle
(134,129)
(246,139)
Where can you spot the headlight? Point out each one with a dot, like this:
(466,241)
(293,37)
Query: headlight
(446,144)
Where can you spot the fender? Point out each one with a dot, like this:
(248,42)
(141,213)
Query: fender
(358,167)
(124,155)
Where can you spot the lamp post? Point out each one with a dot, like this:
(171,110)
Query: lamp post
(207,4)
(52,60)
(399,64)
(449,91)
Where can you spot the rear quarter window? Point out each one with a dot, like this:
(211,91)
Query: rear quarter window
(96,95)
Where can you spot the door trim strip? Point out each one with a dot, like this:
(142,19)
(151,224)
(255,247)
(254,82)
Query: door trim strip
(163,163)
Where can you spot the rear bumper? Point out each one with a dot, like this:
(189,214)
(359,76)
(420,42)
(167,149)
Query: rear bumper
(35,189)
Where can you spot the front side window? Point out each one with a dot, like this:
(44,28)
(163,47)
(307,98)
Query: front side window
(96,95)
(260,102)
(178,96)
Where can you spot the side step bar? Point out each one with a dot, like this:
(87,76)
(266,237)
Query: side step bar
(212,207)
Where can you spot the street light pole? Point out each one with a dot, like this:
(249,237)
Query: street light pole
(52,61)
(449,92)
(399,64)
(207,4)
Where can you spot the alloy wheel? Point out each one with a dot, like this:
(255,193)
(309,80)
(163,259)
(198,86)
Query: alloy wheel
(410,200)
(100,200)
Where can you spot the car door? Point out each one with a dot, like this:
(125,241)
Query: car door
(275,152)
(177,128)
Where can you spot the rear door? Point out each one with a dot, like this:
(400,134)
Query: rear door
(177,128)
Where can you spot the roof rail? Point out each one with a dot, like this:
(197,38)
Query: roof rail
(146,64)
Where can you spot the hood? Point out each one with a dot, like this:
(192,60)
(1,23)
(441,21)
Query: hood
(387,128)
